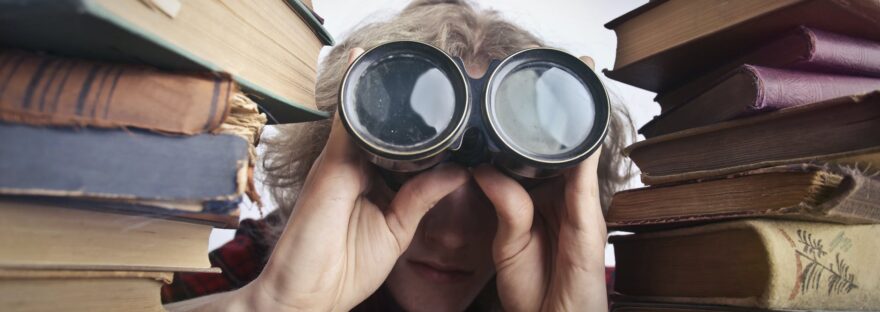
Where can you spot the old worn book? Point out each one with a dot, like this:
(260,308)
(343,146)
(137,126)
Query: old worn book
(805,192)
(46,90)
(270,48)
(804,49)
(85,291)
(122,165)
(45,236)
(664,44)
(843,130)
(638,306)
(750,90)
(759,263)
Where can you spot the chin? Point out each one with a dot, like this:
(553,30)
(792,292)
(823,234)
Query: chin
(414,291)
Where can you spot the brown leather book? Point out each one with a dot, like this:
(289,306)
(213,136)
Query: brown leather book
(750,90)
(755,264)
(46,90)
(842,130)
(664,44)
(800,192)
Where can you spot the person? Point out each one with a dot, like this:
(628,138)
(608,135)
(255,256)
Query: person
(451,239)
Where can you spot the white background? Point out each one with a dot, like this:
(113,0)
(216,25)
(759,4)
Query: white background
(575,26)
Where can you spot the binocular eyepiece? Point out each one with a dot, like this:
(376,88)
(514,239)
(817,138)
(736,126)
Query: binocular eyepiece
(409,106)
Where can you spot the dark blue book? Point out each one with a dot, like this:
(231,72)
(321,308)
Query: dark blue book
(202,173)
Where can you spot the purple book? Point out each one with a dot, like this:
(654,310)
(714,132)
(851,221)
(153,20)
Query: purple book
(753,89)
(802,49)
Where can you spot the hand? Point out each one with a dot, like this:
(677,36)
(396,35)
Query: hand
(549,249)
(345,233)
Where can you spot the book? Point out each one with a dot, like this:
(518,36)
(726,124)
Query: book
(51,237)
(842,130)
(664,44)
(637,306)
(122,165)
(804,192)
(59,290)
(46,90)
(270,48)
(803,49)
(750,90)
(759,263)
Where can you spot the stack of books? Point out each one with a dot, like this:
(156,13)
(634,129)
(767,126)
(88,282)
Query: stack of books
(128,133)
(762,166)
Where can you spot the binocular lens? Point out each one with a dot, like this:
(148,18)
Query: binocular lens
(542,110)
(403,102)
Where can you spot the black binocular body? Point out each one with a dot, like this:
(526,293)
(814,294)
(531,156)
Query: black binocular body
(410,106)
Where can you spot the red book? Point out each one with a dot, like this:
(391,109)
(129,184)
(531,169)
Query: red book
(749,90)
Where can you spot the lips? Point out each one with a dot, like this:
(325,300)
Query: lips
(440,273)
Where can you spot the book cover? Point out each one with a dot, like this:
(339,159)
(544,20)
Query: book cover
(804,49)
(799,192)
(121,165)
(842,130)
(750,90)
(765,264)
(47,90)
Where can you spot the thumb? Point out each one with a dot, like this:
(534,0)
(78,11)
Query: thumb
(417,196)
(514,208)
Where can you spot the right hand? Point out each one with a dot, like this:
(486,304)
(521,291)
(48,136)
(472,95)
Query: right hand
(346,232)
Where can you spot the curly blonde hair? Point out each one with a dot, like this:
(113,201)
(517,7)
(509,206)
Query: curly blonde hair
(455,26)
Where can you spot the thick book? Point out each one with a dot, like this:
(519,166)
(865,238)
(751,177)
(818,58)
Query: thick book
(121,165)
(41,89)
(750,90)
(81,291)
(803,49)
(270,48)
(765,264)
(664,44)
(842,130)
(800,192)
(51,237)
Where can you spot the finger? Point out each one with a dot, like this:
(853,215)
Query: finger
(582,193)
(589,61)
(514,208)
(417,196)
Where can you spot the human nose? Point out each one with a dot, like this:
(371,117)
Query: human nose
(446,228)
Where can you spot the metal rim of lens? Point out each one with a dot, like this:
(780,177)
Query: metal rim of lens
(425,152)
(601,98)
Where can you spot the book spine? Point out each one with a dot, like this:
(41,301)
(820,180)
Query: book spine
(860,202)
(820,266)
(45,90)
(144,166)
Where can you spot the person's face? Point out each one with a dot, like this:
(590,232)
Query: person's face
(450,258)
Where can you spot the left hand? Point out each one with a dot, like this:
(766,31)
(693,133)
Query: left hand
(552,260)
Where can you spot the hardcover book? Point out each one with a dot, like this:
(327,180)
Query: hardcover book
(803,49)
(121,165)
(40,89)
(764,264)
(842,130)
(750,90)
(270,48)
(799,192)
(665,44)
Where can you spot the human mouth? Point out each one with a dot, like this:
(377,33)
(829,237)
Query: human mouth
(440,272)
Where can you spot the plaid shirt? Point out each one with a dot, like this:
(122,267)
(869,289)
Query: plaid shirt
(242,260)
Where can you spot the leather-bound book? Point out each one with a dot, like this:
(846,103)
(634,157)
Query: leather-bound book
(749,90)
(803,48)
(842,130)
(755,264)
(799,192)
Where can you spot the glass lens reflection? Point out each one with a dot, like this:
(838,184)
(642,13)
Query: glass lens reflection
(404,102)
(543,110)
